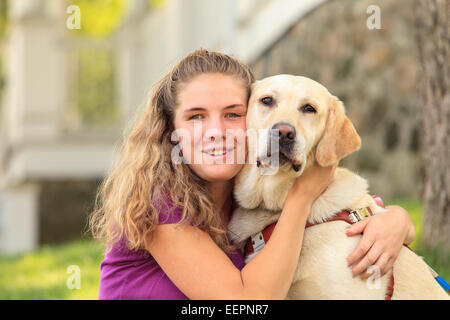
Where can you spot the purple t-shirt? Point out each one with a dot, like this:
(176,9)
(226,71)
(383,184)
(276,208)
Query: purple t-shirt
(135,275)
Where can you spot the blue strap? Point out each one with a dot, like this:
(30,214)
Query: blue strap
(443,283)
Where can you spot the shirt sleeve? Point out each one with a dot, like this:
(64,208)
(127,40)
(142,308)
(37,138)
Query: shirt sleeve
(168,212)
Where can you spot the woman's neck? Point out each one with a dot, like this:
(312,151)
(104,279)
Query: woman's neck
(221,196)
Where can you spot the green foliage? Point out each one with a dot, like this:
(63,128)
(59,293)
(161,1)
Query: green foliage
(94,92)
(99,18)
(156,3)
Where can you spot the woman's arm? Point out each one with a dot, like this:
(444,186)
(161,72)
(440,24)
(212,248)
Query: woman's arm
(201,270)
(383,237)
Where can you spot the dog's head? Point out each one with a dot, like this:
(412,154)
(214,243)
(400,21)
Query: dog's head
(297,121)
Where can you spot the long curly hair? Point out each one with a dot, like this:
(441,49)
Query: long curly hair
(143,171)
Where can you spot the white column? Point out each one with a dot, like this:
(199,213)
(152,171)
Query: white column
(132,58)
(36,71)
(33,106)
(19,219)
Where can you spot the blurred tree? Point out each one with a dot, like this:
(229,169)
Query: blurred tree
(433,39)
(99,18)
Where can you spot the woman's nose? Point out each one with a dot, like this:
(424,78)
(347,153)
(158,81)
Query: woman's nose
(214,130)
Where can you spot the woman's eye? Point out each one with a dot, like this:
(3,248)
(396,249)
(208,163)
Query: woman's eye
(232,115)
(307,108)
(267,101)
(196,117)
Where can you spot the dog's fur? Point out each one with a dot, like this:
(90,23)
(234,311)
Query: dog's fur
(325,136)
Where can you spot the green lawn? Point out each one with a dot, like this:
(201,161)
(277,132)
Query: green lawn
(433,258)
(43,274)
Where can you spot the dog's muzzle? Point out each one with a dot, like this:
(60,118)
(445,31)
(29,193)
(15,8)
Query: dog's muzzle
(280,144)
(285,133)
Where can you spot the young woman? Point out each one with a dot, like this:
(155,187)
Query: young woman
(165,222)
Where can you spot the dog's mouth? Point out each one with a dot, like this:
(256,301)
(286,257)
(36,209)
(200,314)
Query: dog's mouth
(283,159)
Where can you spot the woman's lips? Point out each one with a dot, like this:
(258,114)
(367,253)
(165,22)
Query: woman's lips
(217,153)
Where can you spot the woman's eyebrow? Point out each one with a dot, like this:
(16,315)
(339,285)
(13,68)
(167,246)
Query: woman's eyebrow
(203,109)
(234,105)
(194,109)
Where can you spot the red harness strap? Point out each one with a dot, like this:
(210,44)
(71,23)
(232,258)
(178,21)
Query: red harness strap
(261,238)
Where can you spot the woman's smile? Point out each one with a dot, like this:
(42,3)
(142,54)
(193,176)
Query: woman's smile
(218,153)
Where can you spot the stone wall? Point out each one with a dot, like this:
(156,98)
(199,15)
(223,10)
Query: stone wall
(374,72)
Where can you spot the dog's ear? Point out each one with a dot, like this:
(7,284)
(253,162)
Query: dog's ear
(339,137)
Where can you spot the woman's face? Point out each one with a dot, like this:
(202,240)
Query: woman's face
(210,123)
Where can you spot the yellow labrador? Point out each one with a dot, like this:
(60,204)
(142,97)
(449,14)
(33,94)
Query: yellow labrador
(311,125)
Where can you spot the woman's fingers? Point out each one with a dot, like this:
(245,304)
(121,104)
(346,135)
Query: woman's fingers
(389,265)
(380,268)
(368,260)
(357,228)
(365,243)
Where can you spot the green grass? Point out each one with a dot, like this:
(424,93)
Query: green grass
(433,257)
(43,274)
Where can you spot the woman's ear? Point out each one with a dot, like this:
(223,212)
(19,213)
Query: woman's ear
(339,137)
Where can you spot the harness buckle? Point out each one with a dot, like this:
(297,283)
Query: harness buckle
(258,241)
(358,214)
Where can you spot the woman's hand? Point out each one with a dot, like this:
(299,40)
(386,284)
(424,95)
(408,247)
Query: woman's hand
(313,182)
(383,237)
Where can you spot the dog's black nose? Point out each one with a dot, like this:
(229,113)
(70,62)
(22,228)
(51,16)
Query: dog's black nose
(285,131)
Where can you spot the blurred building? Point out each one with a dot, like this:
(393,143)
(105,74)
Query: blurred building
(67,98)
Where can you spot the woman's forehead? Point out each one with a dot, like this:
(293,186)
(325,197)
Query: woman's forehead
(208,91)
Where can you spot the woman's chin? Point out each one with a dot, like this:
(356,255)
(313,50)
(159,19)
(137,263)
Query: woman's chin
(218,172)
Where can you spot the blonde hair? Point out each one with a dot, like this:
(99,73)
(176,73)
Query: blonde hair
(125,204)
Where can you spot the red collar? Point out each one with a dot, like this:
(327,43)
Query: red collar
(258,241)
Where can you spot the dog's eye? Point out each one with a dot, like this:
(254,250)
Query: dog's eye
(307,108)
(267,101)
